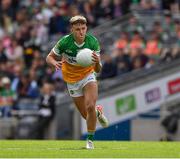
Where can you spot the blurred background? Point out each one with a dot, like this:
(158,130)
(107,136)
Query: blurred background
(139,85)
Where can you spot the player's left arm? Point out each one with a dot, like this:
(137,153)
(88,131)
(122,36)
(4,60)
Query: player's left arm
(96,57)
(97,62)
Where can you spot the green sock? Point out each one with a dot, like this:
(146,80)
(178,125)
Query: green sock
(90,136)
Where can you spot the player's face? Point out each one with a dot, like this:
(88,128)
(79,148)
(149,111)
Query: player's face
(79,31)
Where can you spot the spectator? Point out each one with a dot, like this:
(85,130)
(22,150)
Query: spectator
(16,79)
(150,5)
(3,57)
(168,27)
(7,16)
(14,51)
(109,68)
(7,97)
(174,7)
(104,11)
(157,28)
(47,12)
(150,63)
(73,10)
(136,63)
(59,23)
(87,12)
(46,111)
(176,52)
(177,33)
(133,26)
(136,41)
(166,4)
(166,55)
(33,89)
(117,8)
(122,60)
(41,31)
(153,45)
(122,42)
(168,24)
(27,86)
(120,7)
(170,54)
(138,59)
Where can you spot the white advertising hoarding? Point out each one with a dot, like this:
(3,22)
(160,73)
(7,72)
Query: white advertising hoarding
(124,105)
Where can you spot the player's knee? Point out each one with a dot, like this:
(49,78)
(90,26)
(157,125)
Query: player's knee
(90,109)
(90,106)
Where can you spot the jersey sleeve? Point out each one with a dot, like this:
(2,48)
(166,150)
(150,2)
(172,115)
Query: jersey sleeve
(96,46)
(58,49)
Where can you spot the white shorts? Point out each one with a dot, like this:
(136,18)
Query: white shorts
(76,89)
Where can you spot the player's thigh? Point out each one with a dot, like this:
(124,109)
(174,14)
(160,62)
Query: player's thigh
(80,105)
(90,91)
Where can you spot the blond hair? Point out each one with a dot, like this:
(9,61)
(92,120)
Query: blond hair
(78,19)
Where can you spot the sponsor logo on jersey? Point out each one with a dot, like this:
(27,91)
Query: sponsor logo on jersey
(68,51)
(70,59)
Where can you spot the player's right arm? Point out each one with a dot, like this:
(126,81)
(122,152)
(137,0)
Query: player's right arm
(53,60)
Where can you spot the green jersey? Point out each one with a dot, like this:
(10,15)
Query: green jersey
(68,49)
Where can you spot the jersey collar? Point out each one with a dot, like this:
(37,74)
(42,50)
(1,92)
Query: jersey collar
(79,45)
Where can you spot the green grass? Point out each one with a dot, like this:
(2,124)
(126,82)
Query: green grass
(76,149)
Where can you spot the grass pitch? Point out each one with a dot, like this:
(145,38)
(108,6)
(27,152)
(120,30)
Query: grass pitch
(76,149)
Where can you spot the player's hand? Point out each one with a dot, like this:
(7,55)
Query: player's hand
(96,58)
(58,64)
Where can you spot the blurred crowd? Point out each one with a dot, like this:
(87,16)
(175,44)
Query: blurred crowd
(28,29)
(142,45)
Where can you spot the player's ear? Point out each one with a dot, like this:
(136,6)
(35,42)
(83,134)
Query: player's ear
(71,28)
